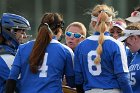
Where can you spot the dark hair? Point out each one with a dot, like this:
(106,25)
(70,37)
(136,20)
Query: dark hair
(54,20)
(133,26)
(49,24)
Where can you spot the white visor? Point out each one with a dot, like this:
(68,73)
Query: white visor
(120,25)
(128,33)
(135,17)
(94,18)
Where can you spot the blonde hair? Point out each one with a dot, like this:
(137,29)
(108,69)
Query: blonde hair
(119,19)
(80,25)
(133,26)
(103,13)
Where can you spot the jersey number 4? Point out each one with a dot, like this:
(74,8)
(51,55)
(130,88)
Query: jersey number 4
(44,67)
(91,64)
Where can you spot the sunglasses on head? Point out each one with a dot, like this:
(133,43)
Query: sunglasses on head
(75,35)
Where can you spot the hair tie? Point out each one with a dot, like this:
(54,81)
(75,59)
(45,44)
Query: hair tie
(48,27)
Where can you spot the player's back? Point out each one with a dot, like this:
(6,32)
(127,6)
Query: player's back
(100,75)
(49,77)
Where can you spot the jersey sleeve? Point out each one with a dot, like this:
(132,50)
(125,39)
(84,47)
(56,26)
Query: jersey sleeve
(120,59)
(69,68)
(77,67)
(123,80)
(6,61)
(4,70)
(69,63)
(14,73)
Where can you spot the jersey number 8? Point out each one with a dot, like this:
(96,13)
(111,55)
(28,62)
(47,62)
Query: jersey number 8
(91,64)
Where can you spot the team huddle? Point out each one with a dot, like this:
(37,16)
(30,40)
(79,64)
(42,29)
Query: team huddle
(105,62)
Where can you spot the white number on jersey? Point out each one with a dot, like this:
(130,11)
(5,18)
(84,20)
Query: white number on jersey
(44,67)
(132,78)
(91,64)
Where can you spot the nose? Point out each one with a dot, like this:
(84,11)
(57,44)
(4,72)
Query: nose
(72,36)
(115,35)
(24,35)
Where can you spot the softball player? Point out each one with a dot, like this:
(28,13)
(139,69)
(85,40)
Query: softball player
(132,40)
(101,66)
(12,33)
(42,63)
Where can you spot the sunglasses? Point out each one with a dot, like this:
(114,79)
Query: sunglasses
(75,35)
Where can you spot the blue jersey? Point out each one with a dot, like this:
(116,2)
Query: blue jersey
(6,59)
(58,61)
(134,69)
(129,55)
(102,75)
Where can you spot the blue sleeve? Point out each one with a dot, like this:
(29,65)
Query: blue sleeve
(69,63)
(120,59)
(14,73)
(69,69)
(124,83)
(77,68)
(4,70)
(129,55)
(70,81)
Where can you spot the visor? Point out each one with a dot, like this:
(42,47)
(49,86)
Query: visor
(135,17)
(128,33)
(119,24)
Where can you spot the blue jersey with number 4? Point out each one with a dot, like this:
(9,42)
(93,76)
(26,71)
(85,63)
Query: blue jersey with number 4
(58,61)
(134,69)
(102,75)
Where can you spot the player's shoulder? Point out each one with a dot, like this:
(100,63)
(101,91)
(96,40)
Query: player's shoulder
(29,43)
(61,45)
(26,46)
(66,48)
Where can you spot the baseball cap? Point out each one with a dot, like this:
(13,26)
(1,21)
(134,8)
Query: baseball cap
(128,33)
(135,17)
(119,24)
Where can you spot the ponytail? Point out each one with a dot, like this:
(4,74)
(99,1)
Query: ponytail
(102,27)
(37,55)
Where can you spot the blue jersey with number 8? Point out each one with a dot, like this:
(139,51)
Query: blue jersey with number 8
(102,75)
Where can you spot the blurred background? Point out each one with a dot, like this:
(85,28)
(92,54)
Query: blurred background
(72,10)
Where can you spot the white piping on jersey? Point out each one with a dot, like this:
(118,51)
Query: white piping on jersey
(121,47)
(54,41)
(8,59)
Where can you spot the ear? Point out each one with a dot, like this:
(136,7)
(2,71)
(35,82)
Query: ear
(111,24)
(93,23)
